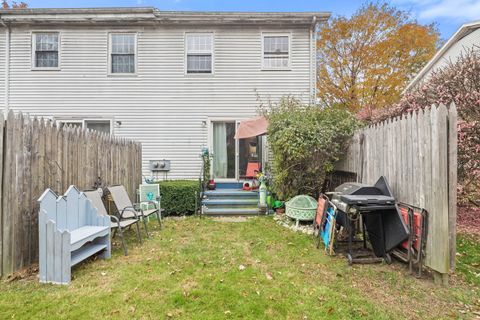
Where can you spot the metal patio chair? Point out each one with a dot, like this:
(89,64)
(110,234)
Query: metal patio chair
(117,223)
(126,208)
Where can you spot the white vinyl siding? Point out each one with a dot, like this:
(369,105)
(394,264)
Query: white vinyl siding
(123,48)
(160,107)
(45,50)
(199,52)
(276,51)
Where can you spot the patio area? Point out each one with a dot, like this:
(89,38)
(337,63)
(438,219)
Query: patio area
(247,268)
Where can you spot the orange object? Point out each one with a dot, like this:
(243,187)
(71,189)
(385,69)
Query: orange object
(251,128)
(322,205)
(252,169)
(417,227)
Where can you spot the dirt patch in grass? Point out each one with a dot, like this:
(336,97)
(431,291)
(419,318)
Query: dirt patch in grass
(468,220)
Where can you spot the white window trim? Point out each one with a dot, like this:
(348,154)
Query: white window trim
(198,74)
(33,50)
(83,122)
(278,34)
(109,55)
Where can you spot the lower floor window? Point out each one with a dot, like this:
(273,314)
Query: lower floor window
(103,126)
(98,125)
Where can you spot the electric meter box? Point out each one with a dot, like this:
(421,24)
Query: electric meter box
(160,165)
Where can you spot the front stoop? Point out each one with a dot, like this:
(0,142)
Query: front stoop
(230,200)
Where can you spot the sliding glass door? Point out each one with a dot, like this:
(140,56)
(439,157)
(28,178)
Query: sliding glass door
(224,150)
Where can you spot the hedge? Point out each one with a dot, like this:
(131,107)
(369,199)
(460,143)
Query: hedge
(178,196)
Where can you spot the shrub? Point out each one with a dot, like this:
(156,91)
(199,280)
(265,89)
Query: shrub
(178,196)
(306,141)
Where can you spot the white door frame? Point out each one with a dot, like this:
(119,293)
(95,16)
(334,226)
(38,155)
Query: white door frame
(210,122)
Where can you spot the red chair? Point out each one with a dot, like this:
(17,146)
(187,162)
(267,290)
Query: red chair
(253,168)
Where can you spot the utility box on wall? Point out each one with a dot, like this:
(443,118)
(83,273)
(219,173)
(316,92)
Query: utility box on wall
(159,165)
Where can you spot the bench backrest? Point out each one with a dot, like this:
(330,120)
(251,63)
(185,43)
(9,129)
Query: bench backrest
(120,197)
(69,212)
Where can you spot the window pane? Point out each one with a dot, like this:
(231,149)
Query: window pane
(72,124)
(46,59)
(275,62)
(123,63)
(123,44)
(199,63)
(102,126)
(198,43)
(275,44)
(46,42)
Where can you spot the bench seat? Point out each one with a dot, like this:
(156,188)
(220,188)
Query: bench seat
(82,235)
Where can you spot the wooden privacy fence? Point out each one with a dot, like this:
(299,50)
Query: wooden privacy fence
(36,155)
(418,154)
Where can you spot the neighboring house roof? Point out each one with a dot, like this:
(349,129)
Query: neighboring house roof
(464,30)
(150,15)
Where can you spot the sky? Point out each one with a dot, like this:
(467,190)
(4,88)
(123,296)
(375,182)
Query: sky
(448,15)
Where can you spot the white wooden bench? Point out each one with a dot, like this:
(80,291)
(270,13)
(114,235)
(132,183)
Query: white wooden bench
(70,231)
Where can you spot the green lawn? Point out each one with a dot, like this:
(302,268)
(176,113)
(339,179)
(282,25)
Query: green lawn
(191,270)
(468,258)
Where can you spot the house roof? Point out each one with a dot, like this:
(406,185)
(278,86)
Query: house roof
(464,30)
(150,15)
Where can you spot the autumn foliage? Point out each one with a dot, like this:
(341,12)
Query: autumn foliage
(366,61)
(13,5)
(458,82)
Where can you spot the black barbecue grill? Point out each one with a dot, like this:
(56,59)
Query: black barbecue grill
(373,206)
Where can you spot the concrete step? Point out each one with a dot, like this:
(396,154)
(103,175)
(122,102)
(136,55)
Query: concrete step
(227,202)
(229,185)
(230,212)
(230,193)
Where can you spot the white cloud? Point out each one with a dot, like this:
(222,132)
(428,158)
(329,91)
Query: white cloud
(435,9)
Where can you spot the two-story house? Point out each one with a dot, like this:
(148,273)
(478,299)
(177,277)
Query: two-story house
(175,81)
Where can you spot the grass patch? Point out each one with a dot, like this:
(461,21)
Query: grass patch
(191,269)
(468,258)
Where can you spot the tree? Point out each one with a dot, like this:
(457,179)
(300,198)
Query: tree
(13,5)
(364,62)
(459,82)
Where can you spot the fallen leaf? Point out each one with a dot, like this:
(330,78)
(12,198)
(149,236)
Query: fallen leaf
(269,276)
(241,267)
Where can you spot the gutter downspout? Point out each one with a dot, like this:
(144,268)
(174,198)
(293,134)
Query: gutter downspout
(313,63)
(7,66)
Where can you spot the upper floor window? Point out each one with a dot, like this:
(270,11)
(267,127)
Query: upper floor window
(123,48)
(199,51)
(45,50)
(276,52)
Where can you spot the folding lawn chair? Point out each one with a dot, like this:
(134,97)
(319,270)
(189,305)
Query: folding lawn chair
(319,218)
(324,224)
(126,208)
(116,222)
